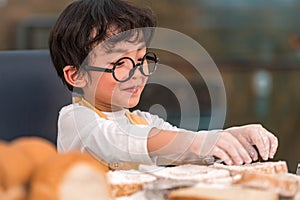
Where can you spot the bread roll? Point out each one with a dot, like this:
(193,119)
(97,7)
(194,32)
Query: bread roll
(198,173)
(15,167)
(271,176)
(284,184)
(258,167)
(35,148)
(70,176)
(14,193)
(125,183)
(216,192)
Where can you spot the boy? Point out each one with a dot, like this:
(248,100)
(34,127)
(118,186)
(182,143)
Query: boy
(99,49)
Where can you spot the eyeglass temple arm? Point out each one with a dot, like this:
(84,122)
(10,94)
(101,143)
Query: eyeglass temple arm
(99,69)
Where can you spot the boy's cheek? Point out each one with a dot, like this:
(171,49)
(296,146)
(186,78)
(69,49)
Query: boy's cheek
(106,85)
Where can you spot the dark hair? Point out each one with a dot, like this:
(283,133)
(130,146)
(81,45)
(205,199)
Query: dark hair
(85,23)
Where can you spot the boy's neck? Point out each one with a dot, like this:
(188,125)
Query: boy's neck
(108,108)
(103,107)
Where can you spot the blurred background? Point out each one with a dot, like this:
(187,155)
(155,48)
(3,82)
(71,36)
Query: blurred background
(254,43)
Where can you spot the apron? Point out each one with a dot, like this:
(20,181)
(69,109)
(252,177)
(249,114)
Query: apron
(134,119)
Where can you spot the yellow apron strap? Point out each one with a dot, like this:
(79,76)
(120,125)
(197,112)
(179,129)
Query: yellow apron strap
(85,103)
(134,119)
(123,165)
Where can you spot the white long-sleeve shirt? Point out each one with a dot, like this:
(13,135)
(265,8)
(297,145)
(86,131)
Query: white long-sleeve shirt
(113,140)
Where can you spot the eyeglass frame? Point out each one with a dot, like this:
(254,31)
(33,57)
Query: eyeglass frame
(131,71)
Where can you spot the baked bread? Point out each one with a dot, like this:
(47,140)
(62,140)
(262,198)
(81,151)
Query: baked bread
(272,176)
(285,184)
(15,167)
(257,167)
(198,173)
(37,149)
(125,183)
(220,192)
(70,176)
(261,180)
(14,193)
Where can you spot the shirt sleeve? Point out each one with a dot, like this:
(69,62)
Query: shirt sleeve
(156,121)
(208,138)
(80,128)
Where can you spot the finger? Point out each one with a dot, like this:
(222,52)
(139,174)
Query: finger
(233,148)
(267,142)
(222,155)
(262,143)
(241,150)
(249,148)
(273,144)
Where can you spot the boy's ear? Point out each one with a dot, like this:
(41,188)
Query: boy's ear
(73,77)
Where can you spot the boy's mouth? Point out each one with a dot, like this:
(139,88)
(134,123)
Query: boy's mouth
(132,90)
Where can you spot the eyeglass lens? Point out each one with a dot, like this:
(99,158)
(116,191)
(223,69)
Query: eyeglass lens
(125,67)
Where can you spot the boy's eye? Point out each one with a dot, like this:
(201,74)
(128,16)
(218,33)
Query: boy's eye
(119,64)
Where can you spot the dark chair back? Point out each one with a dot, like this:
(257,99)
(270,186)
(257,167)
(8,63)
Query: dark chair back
(31,95)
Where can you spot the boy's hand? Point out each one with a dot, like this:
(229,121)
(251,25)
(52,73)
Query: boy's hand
(235,145)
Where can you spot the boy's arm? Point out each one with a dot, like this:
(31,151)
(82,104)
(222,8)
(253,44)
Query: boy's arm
(178,145)
(232,145)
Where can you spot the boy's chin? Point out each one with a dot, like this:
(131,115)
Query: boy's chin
(132,104)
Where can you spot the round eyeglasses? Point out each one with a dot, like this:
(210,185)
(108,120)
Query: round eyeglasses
(124,68)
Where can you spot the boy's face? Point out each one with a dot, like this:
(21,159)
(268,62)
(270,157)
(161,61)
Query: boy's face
(107,93)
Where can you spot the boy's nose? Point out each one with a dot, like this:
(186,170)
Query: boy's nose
(137,60)
(137,73)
